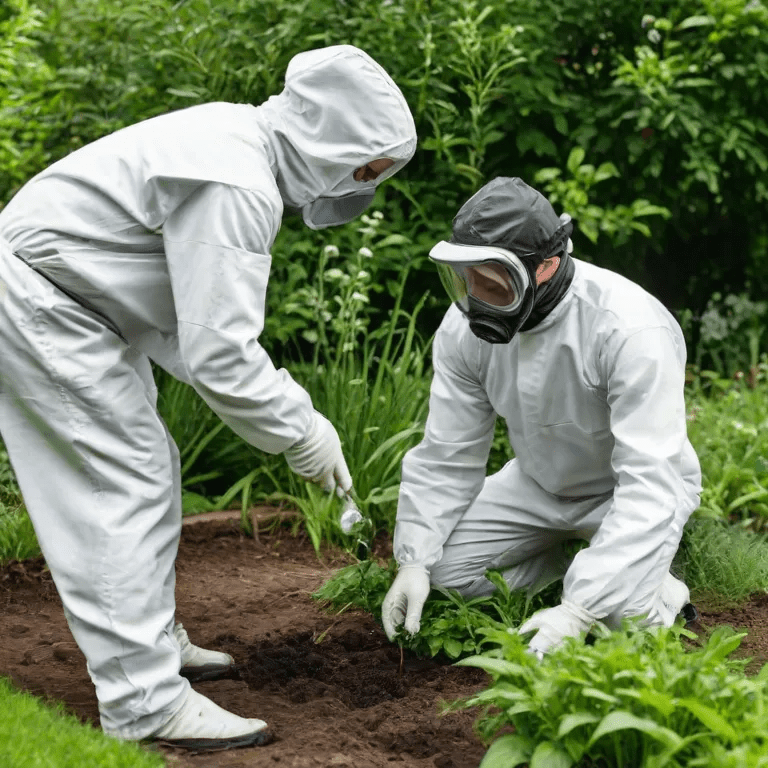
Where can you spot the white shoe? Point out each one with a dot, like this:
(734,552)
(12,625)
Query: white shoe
(200,724)
(197,663)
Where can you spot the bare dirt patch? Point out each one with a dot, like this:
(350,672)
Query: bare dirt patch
(332,688)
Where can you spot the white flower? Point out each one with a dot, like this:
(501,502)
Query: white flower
(366,252)
(333,274)
(378,215)
(360,297)
(654,35)
(331,251)
(363,275)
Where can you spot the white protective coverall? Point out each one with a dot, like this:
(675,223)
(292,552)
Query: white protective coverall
(593,402)
(154,243)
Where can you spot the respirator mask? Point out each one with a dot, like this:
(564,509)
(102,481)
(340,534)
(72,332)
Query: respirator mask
(491,286)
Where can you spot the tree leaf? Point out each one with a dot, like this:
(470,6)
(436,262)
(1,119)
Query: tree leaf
(575,159)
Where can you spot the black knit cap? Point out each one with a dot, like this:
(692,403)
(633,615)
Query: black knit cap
(509,214)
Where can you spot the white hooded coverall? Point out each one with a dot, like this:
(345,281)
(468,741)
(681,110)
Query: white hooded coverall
(594,406)
(154,243)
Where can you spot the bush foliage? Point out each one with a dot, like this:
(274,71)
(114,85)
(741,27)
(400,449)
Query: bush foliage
(663,105)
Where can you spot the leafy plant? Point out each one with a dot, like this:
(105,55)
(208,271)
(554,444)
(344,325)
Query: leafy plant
(365,374)
(723,563)
(729,431)
(450,624)
(573,196)
(728,336)
(17,536)
(637,698)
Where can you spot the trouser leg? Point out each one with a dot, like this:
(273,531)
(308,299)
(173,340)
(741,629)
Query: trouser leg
(517,527)
(99,476)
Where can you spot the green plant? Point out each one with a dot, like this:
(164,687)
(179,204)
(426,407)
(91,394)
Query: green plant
(636,698)
(729,335)
(723,563)
(573,196)
(365,373)
(729,431)
(27,108)
(17,536)
(450,624)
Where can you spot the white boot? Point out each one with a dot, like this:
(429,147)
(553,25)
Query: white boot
(202,725)
(197,663)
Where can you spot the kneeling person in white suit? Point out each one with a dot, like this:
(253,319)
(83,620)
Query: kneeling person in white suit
(587,370)
(154,243)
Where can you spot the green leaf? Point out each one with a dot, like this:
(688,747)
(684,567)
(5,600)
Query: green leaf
(622,721)
(569,722)
(183,93)
(394,240)
(508,752)
(696,21)
(452,647)
(550,755)
(575,159)
(594,693)
(711,718)
(492,666)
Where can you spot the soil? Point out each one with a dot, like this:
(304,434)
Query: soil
(334,691)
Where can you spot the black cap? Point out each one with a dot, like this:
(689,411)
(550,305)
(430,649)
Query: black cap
(509,214)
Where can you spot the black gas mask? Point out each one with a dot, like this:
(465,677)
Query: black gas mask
(496,290)
(501,238)
(491,286)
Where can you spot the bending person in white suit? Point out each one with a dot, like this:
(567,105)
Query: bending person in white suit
(587,370)
(153,243)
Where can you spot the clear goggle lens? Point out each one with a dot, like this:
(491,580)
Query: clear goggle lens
(487,282)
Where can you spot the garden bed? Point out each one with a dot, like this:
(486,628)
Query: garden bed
(332,688)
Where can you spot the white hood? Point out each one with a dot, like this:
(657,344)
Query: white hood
(338,111)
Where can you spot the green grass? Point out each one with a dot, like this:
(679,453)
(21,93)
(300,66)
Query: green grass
(17,536)
(37,735)
(728,427)
(723,564)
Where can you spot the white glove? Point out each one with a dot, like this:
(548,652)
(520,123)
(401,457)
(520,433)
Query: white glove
(554,625)
(319,459)
(405,600)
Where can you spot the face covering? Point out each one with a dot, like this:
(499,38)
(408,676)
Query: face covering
(491,286)
(346,201)
(496,291)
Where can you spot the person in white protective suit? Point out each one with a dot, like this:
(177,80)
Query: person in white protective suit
(153,244)
(587,370)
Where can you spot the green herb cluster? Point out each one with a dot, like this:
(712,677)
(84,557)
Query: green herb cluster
(450,624)
(637,698)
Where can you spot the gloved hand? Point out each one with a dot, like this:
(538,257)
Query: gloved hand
(319,459)
(554,625)
(405,600)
